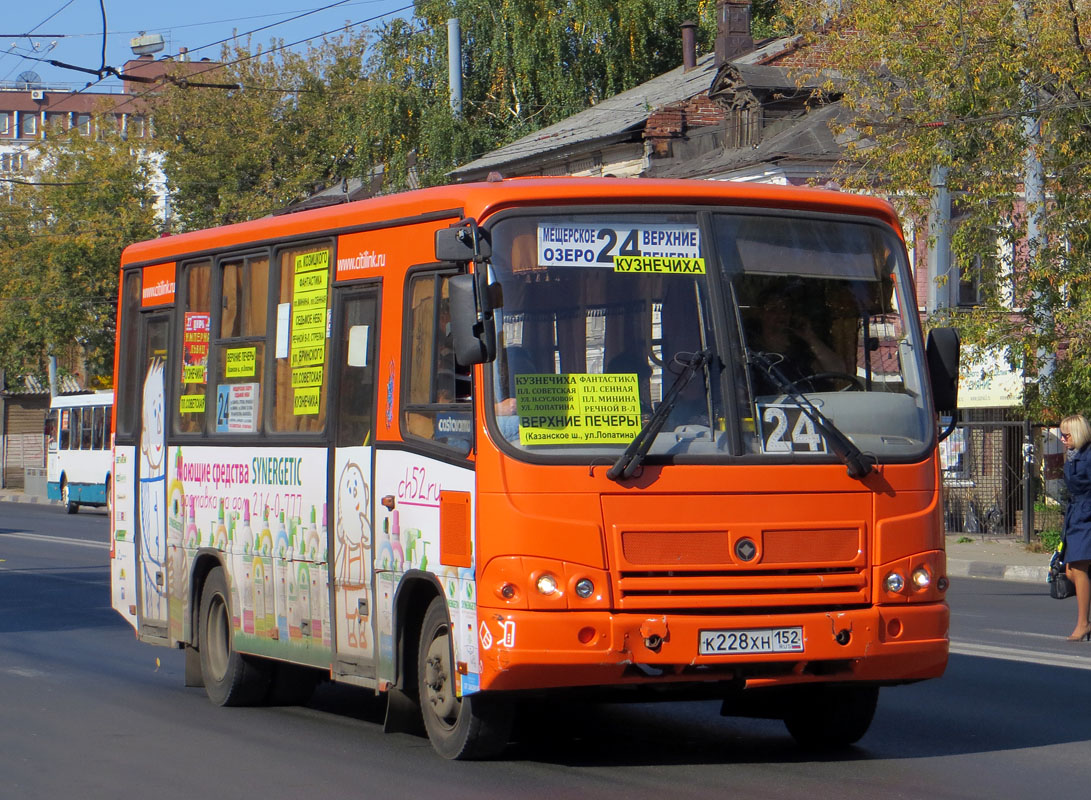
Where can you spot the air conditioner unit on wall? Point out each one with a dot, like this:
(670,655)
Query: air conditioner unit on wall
(37,94)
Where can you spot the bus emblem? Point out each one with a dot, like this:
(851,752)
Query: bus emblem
(745,549)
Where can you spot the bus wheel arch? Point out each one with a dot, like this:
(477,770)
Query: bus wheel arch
(415,592)
(474,726)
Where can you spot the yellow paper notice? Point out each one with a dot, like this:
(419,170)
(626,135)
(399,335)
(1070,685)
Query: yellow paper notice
(241,362)
(191,404)
(578,408)
(307,400)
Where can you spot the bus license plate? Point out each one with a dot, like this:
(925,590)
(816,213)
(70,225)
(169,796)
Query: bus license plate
(762,640)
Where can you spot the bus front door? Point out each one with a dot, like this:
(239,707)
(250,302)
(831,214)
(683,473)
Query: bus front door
(352,534)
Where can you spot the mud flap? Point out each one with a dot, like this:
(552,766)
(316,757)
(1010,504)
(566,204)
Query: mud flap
(402,714)
(193,677)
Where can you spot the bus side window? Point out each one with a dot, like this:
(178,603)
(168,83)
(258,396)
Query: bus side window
(436,389)
(96,430)
(302,373)
(130,378)
(87,420)
(238,351)
(192,373)
(64,431)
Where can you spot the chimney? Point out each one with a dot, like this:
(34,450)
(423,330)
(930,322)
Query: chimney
(689,45)
(732,30)
(183,54)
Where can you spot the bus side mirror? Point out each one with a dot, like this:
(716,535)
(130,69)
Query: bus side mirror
(463,241)
(473,330)
(942,352)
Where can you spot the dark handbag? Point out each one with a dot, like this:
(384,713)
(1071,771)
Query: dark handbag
(1060,586)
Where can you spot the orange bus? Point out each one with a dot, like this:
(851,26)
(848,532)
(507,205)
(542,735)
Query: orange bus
(473,445)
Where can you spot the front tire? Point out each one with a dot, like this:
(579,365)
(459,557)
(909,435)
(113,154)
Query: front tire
(70,507)
(472,727)
(231,679)
(828,718)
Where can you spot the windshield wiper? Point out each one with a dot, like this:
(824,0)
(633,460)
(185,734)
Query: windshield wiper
(634,454)
(859,466)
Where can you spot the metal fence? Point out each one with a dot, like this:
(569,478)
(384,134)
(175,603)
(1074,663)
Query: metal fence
(1002,476)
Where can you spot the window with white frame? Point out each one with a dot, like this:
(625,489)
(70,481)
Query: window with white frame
(28,124)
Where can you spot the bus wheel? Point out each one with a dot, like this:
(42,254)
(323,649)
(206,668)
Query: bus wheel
(231,679)
(831,717)
(472,727)
(66,498)
(109,498)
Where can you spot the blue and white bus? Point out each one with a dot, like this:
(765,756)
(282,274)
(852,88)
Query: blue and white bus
(80,462)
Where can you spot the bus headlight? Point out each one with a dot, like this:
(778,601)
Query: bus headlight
(585,588)
(894,583)
(921,579)
(547,584)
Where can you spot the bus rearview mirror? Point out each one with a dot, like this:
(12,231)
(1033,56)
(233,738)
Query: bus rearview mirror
(473,332)
(462,242)
(942,352)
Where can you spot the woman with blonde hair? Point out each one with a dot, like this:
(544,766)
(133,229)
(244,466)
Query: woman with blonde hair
(1076,437)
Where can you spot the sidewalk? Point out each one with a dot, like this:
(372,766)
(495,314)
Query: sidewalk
(995,557)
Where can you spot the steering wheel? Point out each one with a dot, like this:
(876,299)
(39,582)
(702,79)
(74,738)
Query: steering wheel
(852,382)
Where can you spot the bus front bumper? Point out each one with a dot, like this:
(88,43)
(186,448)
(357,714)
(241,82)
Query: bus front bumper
(536,649)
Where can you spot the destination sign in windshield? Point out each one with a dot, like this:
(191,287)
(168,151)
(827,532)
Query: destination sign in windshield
(664,249)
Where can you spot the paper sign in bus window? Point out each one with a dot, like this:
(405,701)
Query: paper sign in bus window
(577,408)
(237,407)
(240,362)
(195,335)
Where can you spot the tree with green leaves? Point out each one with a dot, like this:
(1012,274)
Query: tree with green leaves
(61,237)
(258,130)
(526,64)
(975,88)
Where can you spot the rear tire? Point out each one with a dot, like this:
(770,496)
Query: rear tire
(231,679)
(472,727)
(66,498)
(832,717)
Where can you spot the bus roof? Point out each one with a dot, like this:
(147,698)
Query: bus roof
(480,200)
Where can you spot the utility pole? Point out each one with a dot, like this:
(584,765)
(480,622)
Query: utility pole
(454,65)
(939,243)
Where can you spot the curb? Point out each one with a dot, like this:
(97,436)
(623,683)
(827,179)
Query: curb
(962,568)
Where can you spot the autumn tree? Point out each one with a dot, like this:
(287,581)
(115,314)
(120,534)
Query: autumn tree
(259,129)
(974,88)
(61,236)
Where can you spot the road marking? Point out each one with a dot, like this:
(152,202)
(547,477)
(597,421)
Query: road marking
(1027,656)
(37,537)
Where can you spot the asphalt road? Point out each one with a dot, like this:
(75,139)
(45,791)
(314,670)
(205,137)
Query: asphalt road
(89,712)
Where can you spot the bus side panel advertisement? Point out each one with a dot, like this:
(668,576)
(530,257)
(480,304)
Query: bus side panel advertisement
(407,537)
(266,512)
(123,544)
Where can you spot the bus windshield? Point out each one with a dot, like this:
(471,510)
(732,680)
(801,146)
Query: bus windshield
(603,311)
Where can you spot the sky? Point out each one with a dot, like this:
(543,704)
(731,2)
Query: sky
(70,31)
